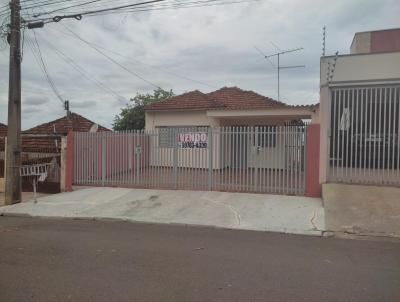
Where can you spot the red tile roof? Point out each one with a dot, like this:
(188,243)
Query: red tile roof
(61,126)
(3,133)
(236,98)
(3,130)
(189,100)
(224,98)
(73,122)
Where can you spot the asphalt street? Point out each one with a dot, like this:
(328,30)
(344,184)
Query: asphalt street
(81,260)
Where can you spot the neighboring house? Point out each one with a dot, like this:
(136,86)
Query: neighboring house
(42,144)
(3,130)
(60,127)
(360,111)
(3,134)
(360,135)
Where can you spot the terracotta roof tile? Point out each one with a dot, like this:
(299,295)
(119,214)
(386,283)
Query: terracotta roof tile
(73,122)
(224,98)
(236,98)
(3,133)
(3,130)
(190,100)
(61,126)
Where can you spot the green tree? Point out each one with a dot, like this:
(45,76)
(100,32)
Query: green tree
(132,117)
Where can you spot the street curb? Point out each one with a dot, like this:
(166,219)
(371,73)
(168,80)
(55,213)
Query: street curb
(110,219)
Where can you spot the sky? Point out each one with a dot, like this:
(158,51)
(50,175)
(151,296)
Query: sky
(203,48)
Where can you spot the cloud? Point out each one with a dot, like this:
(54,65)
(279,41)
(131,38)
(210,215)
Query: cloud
(35,100)
(214,45)
(83,104)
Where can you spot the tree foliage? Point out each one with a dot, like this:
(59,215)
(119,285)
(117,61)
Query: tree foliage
(132,117)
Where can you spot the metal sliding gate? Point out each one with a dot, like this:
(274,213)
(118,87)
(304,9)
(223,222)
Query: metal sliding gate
(365,135)
(268,159)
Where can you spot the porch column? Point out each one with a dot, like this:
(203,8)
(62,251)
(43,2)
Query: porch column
(313,187)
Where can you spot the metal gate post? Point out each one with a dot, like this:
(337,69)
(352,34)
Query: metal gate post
(103,159)
(137,157)
(175,158)
(210,158)
(254,156)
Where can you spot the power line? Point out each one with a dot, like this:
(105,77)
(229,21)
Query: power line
(64,8)
(79,69)
(148,65)
(110,58)
(114,8)
(139,7)
(39,59)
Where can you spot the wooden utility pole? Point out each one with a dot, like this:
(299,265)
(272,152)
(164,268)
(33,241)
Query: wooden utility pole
(13,162)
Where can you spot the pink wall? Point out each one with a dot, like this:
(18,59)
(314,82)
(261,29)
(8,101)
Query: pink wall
(313,187)
(385,40)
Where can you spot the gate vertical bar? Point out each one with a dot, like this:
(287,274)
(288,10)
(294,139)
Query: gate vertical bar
(175,159)
(103,160)
(210,158)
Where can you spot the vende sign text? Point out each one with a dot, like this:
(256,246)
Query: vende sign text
(193,140)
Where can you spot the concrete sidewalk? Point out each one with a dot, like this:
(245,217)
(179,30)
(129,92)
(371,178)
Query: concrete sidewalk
(261,212)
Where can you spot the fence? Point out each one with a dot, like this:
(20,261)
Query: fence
(365,135)
(268,159)
(42,151)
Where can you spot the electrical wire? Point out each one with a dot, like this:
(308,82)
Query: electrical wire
(193,4)
(145,64)
(84,73)
(111,59)
(140,6)
(39,59)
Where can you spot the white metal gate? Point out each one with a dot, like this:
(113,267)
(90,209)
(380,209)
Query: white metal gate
(268,159)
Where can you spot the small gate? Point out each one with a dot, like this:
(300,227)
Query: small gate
(267,159)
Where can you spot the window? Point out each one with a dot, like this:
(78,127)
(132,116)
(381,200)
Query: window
(167,136)
(266,137)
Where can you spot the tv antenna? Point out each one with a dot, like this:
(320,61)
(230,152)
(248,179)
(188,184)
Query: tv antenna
(323,40)
(279,67)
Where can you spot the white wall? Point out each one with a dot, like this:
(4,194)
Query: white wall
(362,68)
(179,118)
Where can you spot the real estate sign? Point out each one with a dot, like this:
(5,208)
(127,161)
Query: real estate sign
(193,140)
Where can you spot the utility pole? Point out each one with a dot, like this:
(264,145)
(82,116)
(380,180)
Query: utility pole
(13,179)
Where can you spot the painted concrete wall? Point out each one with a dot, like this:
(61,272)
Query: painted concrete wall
(324,112)
(373,210)
(376,41)
(179,118)
(361,43)
(362,68)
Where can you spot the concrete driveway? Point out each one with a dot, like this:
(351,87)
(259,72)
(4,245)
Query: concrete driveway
(261,212)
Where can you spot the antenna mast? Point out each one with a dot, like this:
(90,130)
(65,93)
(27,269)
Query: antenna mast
(323,40)
(279,67)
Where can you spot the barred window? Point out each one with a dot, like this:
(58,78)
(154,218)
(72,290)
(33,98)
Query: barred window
(167,135)
(266,136)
